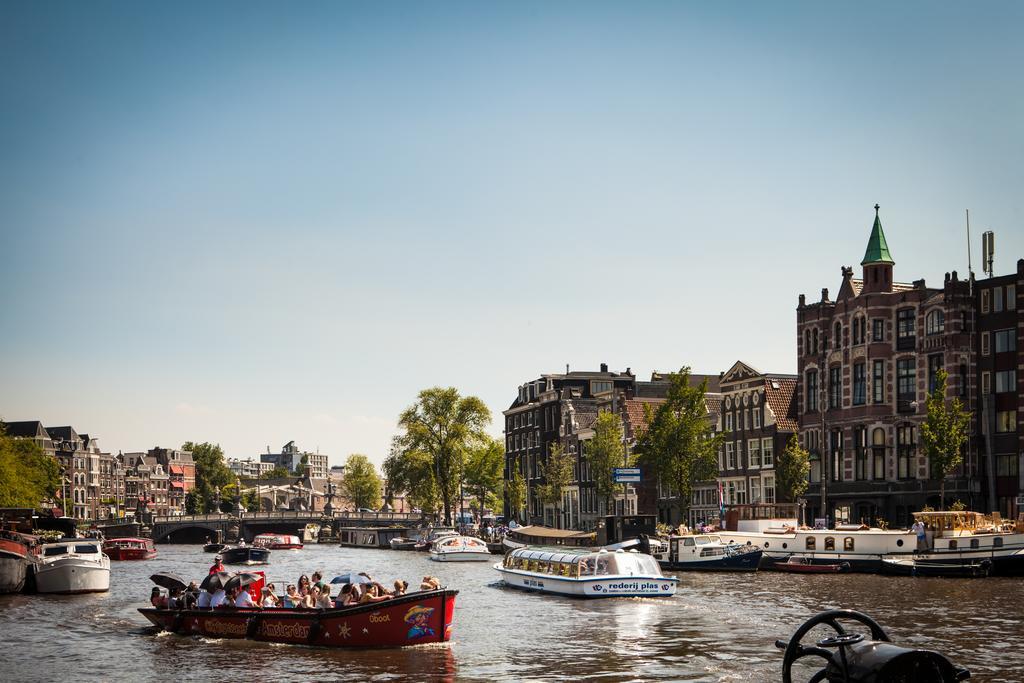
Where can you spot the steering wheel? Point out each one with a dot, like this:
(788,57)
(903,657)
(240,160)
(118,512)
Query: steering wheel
(795,649)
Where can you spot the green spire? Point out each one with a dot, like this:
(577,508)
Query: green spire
(878,250)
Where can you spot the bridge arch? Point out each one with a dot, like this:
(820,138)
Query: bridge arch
(191,533)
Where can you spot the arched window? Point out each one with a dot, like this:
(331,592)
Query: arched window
(807,342)
(830,543)
(837,336)
(848,544)
(810,543)
(814,342)
(935,322)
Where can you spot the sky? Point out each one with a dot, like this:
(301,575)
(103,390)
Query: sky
(256,222)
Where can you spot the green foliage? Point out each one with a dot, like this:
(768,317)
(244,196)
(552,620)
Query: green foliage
(277,473)
(792,471)
(604,451)
(212,472)
(28,475)
(515,490)
(944,433)
(300,471)
(485,464)
(444,426)
(362,484)
(413,473)
(679,443)
(193,503)
(557,472)
(958,506)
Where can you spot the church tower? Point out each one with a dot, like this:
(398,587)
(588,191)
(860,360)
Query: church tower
(877,264)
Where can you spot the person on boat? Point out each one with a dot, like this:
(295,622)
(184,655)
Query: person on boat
(175,600)
(317,579)
(204,599)
(292,597)
(324,601)
(190,596)
(922,535)
(401,587)
(373,593)
(218,565)
(303,585)
(243,599)
(348,596)
(157,598)
(218,598)
(310,599)
(430,583)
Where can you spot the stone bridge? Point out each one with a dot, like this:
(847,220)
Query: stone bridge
(195,528)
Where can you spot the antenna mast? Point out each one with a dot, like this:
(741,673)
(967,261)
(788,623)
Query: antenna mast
(970,271)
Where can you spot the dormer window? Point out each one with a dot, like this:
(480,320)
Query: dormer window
(600,387)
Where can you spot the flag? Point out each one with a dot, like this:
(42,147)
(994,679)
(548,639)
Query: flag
(721,500)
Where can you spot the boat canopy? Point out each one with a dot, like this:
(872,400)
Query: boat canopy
(582,563)
(964,522)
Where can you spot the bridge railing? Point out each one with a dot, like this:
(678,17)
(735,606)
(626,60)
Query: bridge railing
(292,514)
(192,518)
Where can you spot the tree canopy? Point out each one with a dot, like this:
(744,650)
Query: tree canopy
(362,484)
(515,491)
(277,473)
(605,451)
(943,434)
(792,469)
(484,468)
(28,475)
(557,472)
(679,443)
(413,473)
(212,473)
(443,426)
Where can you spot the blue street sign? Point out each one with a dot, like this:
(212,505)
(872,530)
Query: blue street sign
(626,475)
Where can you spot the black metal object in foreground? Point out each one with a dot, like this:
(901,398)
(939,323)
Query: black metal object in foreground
(852,658)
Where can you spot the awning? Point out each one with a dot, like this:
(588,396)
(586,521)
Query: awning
(177,484)
(177,469)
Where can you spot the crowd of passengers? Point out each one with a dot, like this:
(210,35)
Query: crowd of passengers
(310,592)
(572,569)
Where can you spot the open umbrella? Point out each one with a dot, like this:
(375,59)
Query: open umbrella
(351,577)
(215,582)
(169,581)
(241,580)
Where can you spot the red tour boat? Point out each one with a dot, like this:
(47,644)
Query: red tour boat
(129,549)
(420,617)
(277,542)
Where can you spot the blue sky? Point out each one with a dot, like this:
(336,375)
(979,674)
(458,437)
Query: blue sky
(257,222)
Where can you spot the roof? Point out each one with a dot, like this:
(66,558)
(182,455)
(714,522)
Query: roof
(878,249)
(27,429)
(636,413)
(858,286)
(780,393)
(714,403)
(62,433)
(548,532)
(695,380)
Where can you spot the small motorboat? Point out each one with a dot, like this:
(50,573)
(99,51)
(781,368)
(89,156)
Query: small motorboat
(908,566)
(277,542)
(245,554)
(804,565)
(586,573)
(311,533)
(129,548)
(433,535)
(73,566)
(460,549)
(412,619)
(707,552)
(214,547)
(403,543)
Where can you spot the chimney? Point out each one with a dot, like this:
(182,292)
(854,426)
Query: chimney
(803,301)
(604,367)
(824,294)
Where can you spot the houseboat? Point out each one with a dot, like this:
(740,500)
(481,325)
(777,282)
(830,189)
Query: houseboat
(370,537)
(245,554)
(523,536)
(585,573)
(73,566)
(706,552)
(412,619)
(129,548)
(18,553)
(460,549)
(277,542)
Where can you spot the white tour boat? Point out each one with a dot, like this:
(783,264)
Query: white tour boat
(73,566)
(460,549)
(586,573)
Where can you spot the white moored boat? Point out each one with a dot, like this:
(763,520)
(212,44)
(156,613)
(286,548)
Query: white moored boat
(74,566)
(586,573)
(460,549)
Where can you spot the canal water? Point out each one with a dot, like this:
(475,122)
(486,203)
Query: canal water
(719,627)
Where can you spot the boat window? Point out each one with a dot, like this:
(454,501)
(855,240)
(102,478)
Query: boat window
(86,549)
(603,566)
(974,543)
(784,546)
(899,542)
(711,552)
(810,543)
(997,542)
(702,540)
(848,544)
(766,544)
(688,541)
(56,550)
(952,544)
(830,543)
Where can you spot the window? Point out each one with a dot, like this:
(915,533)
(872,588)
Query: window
(934,365)
(1006,340)
(814,344)
(728,422)
(739,454)
(757,417)
(860,435)
(815,461)
(730,457)
(935,322)
(859,385)
(984,300)
(835,448)
(1006,465)
(860,331)
(1011,297)
(1006,381)
(1006,421)
(997,299)
(835,387)
(848,544)
(830,543)
(810,543)
(600,387)
(755,490)
(769,489)
(807,342)
(986,383)
(984,344)
(905,332)
(767,455)
(746,419)
(905,380)
(837,336)
(812,390)
(952,544)
(904,450)
(754,452)
(878,330)
(878,382)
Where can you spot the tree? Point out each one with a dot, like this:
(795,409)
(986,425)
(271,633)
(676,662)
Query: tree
(792,469)
(515,490)
(483,472)
(679,443)
(300,471)
(557,472)
(212,473)
(277,473)
(362,484)
(943,434)
(444,426)
(193,503)
(28,475)
(604,451)
(413,473)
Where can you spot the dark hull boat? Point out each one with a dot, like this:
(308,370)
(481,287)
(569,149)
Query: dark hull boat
(245,555)
(915,567)
(16,557)
(797,565)
(422,617)
(214,547)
